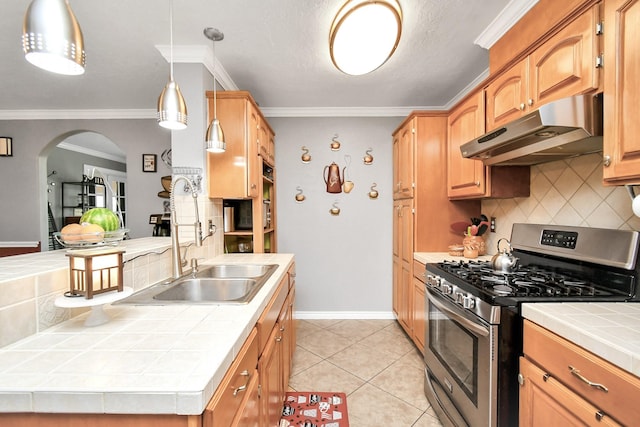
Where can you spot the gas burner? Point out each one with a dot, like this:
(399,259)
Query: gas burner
(502,289)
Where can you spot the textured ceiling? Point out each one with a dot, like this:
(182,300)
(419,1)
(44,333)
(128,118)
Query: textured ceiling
(276,49)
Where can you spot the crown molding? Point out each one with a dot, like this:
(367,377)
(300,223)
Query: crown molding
(90,152)
(198,54)
(342,111)
(77,114)
(512,12)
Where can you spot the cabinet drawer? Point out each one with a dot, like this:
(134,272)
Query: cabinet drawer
(558,356)
(419,270)
(270,315)
(231,392)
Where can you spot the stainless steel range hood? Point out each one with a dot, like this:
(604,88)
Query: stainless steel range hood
(565,128)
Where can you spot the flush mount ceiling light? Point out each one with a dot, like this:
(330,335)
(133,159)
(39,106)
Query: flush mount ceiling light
(364,34)
(52,39)
(215,135)
(172,109)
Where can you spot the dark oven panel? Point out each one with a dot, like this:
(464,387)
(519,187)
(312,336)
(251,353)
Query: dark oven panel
(561,239)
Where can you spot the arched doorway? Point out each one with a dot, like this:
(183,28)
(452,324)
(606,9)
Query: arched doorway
(66,164)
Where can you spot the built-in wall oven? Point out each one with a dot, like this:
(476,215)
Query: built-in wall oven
(474,326)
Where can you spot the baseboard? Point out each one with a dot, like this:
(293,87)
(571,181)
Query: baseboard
(377,315)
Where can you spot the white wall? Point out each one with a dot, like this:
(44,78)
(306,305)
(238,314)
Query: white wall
(344,264)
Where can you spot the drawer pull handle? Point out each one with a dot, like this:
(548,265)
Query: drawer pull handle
(577,374)
(244,373)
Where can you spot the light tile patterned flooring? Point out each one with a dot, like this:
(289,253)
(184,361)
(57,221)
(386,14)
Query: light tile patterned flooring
(373,361)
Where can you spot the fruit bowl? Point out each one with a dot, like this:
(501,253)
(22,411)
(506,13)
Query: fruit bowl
(91,240)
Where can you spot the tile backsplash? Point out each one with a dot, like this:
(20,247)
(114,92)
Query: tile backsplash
(564,192)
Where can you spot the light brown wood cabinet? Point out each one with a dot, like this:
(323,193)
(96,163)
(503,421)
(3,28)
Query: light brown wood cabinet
(564,65)
(244,175)
(422,212)
(402,261)
(230,399)
(403,165)
(276,342)
(555,376)
(621,92)
(419,304)
(467,177)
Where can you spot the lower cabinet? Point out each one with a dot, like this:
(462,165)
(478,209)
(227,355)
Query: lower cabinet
(230,399)
(276,351)
(564,384)
(419,303)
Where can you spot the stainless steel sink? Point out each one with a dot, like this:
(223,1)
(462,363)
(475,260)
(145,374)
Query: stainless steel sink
(217,284)
(208,289)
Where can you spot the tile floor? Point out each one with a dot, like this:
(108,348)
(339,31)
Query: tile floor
(373,362)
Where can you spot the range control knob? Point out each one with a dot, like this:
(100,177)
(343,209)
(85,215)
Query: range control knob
(468,301)
(459,298)
(446,288)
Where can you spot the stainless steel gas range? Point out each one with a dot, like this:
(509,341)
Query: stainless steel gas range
(473,320)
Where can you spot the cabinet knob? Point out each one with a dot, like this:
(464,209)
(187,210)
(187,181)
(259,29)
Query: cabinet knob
(522,106)
(477,183)
(606,160)
(253,186)
(530,102)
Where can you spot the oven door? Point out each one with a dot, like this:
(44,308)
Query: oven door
(461,371)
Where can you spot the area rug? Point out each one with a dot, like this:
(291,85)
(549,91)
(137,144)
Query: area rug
(315,409)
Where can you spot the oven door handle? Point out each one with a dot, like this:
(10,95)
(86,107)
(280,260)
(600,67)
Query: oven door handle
(468,324)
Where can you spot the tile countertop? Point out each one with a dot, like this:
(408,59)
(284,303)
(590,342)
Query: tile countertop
(146,359)
(609,330)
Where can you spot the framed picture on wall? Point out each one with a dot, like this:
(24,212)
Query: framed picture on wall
(149,163)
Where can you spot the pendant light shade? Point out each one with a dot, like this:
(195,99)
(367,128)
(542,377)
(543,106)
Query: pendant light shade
(52,39)
(215,138)
(364,34)
(215,135)
(172,109)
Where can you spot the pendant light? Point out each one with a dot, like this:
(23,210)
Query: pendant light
(172,110)
(364,34)
(215,135)
(52,39)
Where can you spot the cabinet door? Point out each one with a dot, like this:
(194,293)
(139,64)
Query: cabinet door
(271,380)
(249,413)
(228,399)
(466,177)
(402,262)
(419,321)
(403,173)
(545,402)
(506,96)
(565,65)
(622,88)
(254,165)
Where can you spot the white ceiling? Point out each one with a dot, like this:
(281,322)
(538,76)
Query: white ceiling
(276,49)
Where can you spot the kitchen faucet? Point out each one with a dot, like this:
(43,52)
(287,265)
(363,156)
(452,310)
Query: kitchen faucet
(176,258)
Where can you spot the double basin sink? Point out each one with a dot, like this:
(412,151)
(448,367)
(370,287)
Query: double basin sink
(216,284)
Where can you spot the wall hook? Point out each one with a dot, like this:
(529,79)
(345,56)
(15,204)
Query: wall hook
(299,196)
(335,144)
(335,210)
(368,158)
(373,193)
(306,157)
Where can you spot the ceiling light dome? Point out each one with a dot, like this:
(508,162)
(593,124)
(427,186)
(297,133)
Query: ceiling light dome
(364,34)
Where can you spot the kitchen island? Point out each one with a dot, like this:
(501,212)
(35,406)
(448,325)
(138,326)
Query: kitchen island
(146,360)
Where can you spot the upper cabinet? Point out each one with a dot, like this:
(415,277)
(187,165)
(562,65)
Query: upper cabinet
(622,92)
(403,173)
(466,177)
(236,173)
(565,65)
